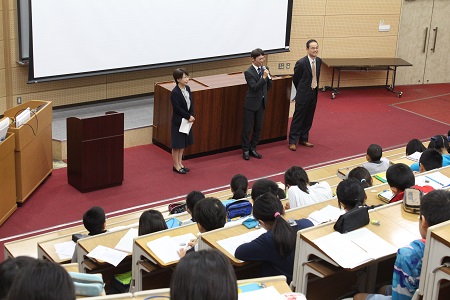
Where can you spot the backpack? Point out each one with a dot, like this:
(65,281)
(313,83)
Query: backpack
(238,208)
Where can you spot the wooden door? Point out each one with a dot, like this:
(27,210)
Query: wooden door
(437,65)
(413,40)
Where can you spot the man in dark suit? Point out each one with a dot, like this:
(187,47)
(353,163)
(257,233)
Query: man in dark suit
(258,82)
(306,81)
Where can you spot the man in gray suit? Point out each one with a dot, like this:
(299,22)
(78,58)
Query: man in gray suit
(306,81)
(258,82)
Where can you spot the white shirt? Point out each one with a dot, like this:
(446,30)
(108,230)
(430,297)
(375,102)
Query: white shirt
(318,192)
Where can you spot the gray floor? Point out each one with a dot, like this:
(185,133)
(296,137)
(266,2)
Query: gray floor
(138,113)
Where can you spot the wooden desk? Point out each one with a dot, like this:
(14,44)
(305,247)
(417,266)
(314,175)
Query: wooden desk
(388,229)
(7,178)
(278,282)
(219,106)
(365,64)
(438,244)
(141,252)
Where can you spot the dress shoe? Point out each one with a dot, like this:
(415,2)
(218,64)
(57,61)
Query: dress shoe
(180,171)
(292,147)
(306,144)
(186,169)
(246,155)
(255,154)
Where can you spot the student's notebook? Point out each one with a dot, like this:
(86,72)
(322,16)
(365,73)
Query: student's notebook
(381,177)
(354,248)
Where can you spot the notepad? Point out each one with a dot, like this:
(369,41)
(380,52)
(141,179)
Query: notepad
(354,248)
(166,248)
(381,177)
(65,250)
(415,156)
(230,244)
(126,242)
(326,214)
(185,126)
(269,293)
(386,196)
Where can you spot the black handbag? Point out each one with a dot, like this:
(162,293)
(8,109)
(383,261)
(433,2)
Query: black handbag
(353,219)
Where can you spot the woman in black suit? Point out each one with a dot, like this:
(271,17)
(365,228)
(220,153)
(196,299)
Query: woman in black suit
(183,108)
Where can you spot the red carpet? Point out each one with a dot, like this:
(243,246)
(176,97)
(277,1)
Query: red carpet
(342,127)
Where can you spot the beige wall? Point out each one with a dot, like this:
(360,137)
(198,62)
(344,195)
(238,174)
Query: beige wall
(343,28)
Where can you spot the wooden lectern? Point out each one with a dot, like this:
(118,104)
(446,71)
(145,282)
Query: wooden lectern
(219,113)
(95,151)
(33,147)
(7,178)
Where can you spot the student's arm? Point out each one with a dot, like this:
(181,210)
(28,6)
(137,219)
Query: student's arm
(254,250)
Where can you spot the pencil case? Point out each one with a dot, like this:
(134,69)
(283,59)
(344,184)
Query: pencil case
(87,284)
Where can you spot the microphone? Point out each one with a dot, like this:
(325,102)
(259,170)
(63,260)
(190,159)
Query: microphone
(267,68)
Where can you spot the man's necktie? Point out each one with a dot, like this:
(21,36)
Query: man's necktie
(259,72)
(314,78)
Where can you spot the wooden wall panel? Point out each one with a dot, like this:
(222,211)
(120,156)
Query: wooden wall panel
(307,26)
(2,104)
(2,54)
(359,47)
(309,7)
(2,83)
(363,7)
(359,25)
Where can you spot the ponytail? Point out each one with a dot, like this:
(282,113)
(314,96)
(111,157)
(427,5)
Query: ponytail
(268,208)
(239,193)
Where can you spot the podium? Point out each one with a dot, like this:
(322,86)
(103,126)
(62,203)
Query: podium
(33,147)
(219,113)
(7,178)
(95,151)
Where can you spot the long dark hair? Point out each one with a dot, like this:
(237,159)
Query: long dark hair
(269,209)
(151,221)
(204,275)
(239,186)
(297,176)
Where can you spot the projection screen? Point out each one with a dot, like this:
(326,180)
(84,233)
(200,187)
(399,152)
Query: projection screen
(77,38)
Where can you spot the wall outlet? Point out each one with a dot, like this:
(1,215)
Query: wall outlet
(288,65)
(19,100)
(281,66)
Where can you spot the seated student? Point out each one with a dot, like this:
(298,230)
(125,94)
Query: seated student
(151,221)
(191,200)
(362,175)
(42,280)
(210,214)
(350,194)
(275,248)
(414,146)
(440,143)
(434,209)
(302,192)
(429,160)
(239,186)
(265,185)
(94,220)
(375,163)
(399,177)
(8,271)
(204,275)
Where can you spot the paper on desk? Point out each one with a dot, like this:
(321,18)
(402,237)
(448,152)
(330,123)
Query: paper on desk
(415,156)
(230,244)
(185,126)
(326,214)
(112,256)
(65,250)
(126,242)
(269,293)
(166,248)
(440,179)
(363,244)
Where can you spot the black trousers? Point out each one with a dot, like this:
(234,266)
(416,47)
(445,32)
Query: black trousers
(303,118)
(253,121)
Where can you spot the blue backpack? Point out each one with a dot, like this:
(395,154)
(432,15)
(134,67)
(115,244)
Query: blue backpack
(238,208)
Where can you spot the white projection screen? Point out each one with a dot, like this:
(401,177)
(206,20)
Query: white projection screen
(77,38)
